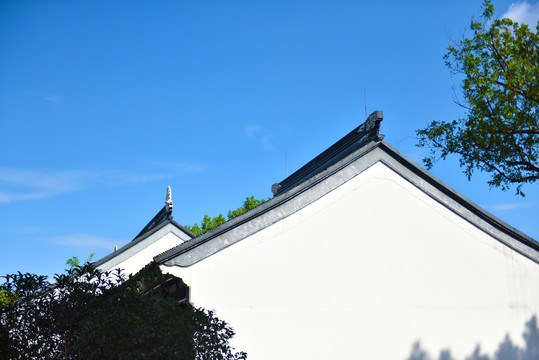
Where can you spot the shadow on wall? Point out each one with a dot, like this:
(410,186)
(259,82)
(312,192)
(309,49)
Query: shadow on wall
(506,350)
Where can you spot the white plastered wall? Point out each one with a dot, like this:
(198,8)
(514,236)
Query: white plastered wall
(364,273)
(141,254)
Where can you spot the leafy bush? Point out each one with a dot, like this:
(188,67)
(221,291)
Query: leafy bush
(89,314)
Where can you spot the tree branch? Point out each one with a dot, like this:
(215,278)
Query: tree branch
(495,49)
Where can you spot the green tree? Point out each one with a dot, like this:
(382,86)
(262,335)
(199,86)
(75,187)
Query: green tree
(249,204)
(74,262)
(500,132)
(88,314)
(209,223)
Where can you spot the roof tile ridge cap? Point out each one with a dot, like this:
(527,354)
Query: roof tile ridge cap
(368,131)
(151,224)
(460,198)
(212,232)
(270,203)
(365,147)
(166,255)
(371,123)
(183,228)
(151,231)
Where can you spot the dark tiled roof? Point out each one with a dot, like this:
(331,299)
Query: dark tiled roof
(363,134)
(141,237)
(163,215)
(360,142)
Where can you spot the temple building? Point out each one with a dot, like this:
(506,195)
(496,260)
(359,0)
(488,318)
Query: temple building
(360,254)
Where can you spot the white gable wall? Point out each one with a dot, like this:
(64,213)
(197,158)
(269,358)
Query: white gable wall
(142,253)
(364,272)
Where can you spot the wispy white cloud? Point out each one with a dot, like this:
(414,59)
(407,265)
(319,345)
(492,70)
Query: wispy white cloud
(53,99)
(122,177)
(258,133)
(30,185)
(523,13)
(85,240)
(50,180)
(21,184)
(252,130)
(510,206)
(29,230)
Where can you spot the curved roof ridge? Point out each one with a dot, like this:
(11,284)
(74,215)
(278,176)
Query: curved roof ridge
(367,132)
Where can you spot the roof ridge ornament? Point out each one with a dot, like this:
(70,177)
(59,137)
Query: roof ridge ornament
(368,131)
(168,201)
(371,126)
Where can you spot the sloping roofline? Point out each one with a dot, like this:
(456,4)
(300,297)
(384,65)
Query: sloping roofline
(360,144)
(158,222)
(163,215)
(151,228)
(367,132)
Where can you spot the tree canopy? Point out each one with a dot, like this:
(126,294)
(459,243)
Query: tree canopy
(88,314)
(209,223)
(500,132)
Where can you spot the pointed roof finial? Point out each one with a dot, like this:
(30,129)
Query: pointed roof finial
(168,201)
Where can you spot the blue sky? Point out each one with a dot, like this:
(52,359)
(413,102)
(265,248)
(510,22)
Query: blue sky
(103,104)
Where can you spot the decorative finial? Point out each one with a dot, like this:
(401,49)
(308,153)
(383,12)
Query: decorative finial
(168,201)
